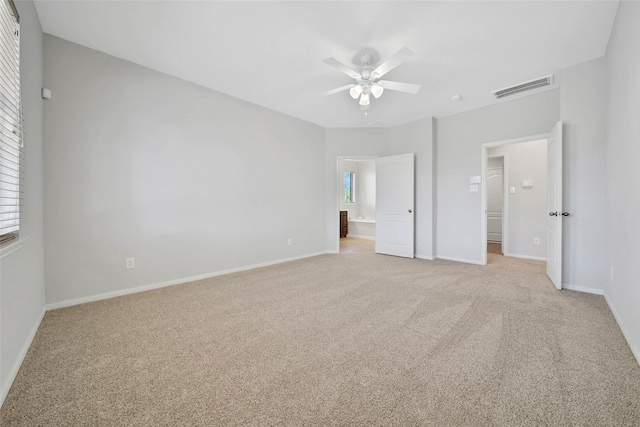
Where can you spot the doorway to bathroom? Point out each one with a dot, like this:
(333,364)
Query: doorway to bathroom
(357,200)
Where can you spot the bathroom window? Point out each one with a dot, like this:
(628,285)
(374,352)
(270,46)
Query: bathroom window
(349,187)
(11,141)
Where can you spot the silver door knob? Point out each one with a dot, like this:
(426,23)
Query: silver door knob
(553,213)
(410,211)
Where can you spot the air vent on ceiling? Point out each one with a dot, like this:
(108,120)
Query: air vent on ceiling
(524,87)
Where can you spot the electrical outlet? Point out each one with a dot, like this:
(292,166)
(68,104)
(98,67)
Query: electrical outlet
(536,241)
(290,242)
(130,263)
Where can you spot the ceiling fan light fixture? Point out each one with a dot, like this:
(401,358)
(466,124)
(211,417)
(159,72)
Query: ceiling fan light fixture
(355,91)
(376,90)
(364,98)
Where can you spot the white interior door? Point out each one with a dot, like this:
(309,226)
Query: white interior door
(554,205)
(495,189)
(395,205)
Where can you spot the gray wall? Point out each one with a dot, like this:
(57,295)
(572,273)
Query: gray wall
(623,171)
(582,96)
(22,292)
(527,207)
(366,189)
(187,180)
(459,156)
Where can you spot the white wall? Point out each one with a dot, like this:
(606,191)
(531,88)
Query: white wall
(366,189)
(527,207)
(582,111)
(418,138)
(622,207)
(22,292)
(187,180)
(459,156)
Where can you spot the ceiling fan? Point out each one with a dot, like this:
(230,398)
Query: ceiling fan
(367,77)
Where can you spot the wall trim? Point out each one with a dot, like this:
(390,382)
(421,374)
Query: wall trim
(357,236)
(13,373)
(594,291)
(466,261)
(137,289)
(627,337)
(429,258)
(535,258)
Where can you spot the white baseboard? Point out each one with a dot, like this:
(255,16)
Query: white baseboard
(356,236)
(466,261)
(634,349)
(429,258)
(583,289)
(333,251)
(535,258)
(143,288)
(23,353)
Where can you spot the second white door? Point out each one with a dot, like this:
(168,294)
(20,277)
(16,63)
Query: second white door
(395,205)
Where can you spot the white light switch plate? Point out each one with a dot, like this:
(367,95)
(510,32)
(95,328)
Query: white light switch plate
(475,179)
(473,188)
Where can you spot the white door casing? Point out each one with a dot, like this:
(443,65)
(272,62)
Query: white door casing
(395,205)
(554,205)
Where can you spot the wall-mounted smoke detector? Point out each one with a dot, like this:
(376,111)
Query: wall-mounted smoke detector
(524,87)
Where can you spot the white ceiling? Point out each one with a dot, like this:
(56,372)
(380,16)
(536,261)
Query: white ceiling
(270,53)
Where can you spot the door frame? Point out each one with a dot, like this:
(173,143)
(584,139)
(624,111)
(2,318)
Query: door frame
(340,182)
(483,185)
(505,192)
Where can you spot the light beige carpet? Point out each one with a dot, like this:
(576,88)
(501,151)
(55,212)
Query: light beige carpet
(350,339)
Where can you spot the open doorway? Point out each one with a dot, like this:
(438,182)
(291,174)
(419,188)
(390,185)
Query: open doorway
(357,203)
(515,176)
(376,202)
(495,204)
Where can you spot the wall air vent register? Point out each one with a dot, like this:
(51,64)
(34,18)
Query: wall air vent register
(524,87)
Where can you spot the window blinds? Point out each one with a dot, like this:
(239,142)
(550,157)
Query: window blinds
(11,136)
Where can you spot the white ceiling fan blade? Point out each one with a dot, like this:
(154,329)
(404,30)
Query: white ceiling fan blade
(336,90)
(398,86)
(391,63)
(340,66)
